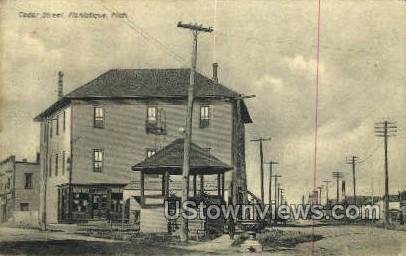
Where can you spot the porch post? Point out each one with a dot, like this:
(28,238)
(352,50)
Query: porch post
(194,185)
(166,184)
(142,188)
(218,184)
(201,183)
(222,185)
(163,183)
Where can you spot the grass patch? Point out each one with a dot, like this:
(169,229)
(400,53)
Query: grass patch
(280,238)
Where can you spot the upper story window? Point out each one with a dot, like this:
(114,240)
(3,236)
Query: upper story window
(64,121)
(150,152)
(98,156)
(50,128)
(155,122)
(204,116)
(56,164)
(28,181)
(57,125)
(63,163)
(152,114)
(50,167)
(8,183)
(98,120)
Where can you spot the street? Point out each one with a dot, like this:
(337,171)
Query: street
(337,240)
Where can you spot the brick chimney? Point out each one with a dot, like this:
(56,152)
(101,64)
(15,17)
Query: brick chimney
(60,85)
(215,77)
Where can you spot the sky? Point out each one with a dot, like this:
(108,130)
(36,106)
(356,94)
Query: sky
(265,48)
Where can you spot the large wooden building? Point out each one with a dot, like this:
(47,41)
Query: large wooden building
(93,136)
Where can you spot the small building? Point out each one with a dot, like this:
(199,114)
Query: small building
(19,191)
(168,163)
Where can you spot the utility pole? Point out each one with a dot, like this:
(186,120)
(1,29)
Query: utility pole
(276,191)
(327,182)
(239,177)
(338,175)
(270,181)
(386,129)
(279,190)
(196,29)
(261,156)
(319,197)
(353,160)
(44,178)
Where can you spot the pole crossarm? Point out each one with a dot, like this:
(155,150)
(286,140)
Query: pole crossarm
(195,27)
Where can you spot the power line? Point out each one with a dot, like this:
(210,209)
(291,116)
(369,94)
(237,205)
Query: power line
(147,36)
(370,155)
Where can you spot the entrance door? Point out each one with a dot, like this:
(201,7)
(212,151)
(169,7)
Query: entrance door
(100,204)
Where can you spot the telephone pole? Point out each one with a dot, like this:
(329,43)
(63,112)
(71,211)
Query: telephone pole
(327,182)
(319,197)
(353,160)
(271,163)
(239,177)
(261,156)
(276,191)
(338,175)
(196,29)
(279,192)
(386,129)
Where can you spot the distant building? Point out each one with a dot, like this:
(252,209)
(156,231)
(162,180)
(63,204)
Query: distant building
(91,137)
(19,191)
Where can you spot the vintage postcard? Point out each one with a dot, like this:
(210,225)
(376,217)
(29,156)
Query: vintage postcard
(205,127)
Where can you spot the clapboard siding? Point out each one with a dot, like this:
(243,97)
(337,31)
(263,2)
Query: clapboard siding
(124,139)
(50,146)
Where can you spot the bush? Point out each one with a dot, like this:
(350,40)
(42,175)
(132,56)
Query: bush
(282,238)
(279,238)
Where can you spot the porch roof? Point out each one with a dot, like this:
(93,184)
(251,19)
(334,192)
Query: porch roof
(170,159)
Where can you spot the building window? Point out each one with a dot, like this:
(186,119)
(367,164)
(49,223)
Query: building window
(98,117)
(63,163)
(24,207)
(152,114)
(8,183)
(64,121)
(98,156)
(150,152)
(50,128)
(57,125)
(50,167)
(56,164)
(155,122)
(204,116)
(28,181)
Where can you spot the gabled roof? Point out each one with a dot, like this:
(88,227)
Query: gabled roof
(147,83)
(170,159)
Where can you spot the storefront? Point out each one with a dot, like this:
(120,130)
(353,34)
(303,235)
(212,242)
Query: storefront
(90,202)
